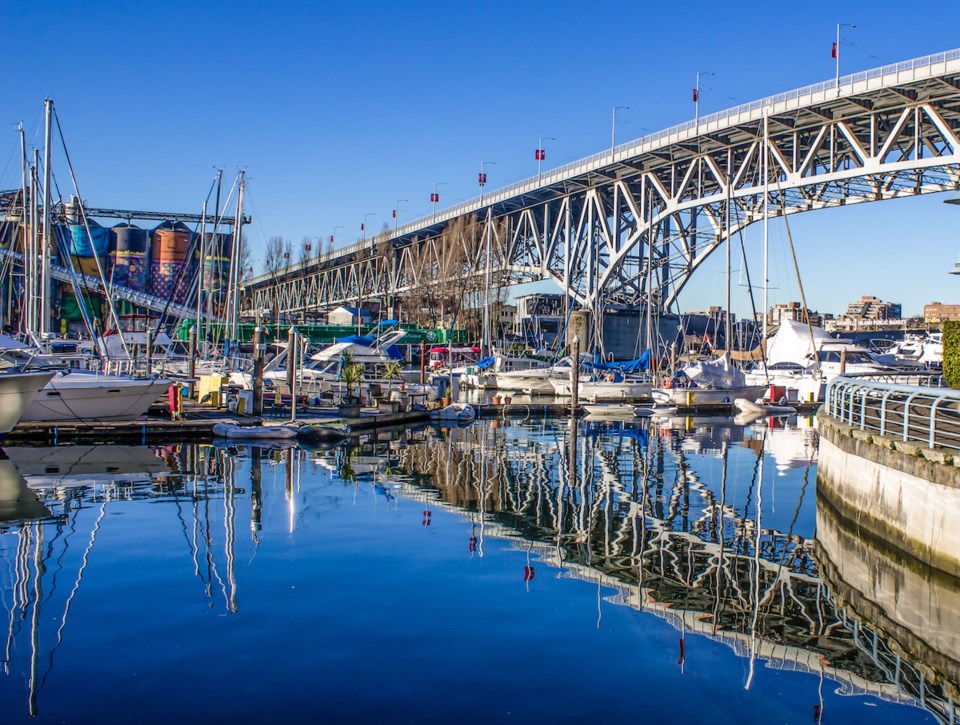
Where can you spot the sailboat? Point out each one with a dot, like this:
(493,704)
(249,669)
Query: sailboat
(66,394)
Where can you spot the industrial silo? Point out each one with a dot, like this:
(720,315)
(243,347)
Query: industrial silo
(130,265)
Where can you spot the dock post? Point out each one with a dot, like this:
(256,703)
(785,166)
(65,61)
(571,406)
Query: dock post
(291,357)
(192,364)
(149,348)
(575,376)
(258,350)
(423,362)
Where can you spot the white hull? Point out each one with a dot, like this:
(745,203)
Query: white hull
(602,390)
(526,382)
(705,396)
(17,391)
(79,396)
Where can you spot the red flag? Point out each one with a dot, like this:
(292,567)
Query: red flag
(362,226)
(696,95)
(833,50)
(394,213)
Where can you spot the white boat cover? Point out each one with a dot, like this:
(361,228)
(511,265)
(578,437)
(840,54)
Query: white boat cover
(792,343)
(719,374)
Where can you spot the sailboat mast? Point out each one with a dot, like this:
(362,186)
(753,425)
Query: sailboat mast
(45,287)
(766,226)
(25,234)
(34,242)
(486,294)
(650,238)
(728,328)
(203,263)
(239,247)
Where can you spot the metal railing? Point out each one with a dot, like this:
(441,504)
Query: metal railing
(914,408)
(889,74)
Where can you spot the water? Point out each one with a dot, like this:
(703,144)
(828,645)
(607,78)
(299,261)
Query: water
(664,572)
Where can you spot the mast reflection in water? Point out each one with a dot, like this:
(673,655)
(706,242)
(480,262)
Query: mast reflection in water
(666,569)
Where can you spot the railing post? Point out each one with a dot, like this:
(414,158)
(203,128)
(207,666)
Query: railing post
(883,413)
(863,408)
(933,422)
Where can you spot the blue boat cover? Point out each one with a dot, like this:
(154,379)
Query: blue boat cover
(627,366)
(356,340)
(485,363)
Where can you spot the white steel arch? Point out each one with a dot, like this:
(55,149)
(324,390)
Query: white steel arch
(631,226)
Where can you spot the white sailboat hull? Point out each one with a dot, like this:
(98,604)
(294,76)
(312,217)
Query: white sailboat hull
(603,390)
(80,396)
(17,391)
(705,396)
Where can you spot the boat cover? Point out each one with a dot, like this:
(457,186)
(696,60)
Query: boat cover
(627,366)
(719,374)
(792,343)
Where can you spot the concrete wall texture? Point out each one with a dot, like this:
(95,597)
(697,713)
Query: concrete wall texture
(901,493)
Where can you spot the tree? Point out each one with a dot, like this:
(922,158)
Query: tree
(277,256)
(448,275)
(306,252)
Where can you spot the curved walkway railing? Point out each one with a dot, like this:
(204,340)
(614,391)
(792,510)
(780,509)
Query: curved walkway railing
(916,408)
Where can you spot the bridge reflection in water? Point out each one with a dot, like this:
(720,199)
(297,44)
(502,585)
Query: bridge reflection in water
(625,506)
(702,523)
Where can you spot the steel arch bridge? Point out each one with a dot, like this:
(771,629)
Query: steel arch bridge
(631,225)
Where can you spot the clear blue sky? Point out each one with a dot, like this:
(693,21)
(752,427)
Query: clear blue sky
(339,109)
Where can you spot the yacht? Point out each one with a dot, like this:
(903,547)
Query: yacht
(17,391)
(79,395)
(71,394)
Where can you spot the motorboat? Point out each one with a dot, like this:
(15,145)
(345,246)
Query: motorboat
(74,394)
(78,395)
(605,388)
(707,383)
(492,371)
(804,359)
(17,391)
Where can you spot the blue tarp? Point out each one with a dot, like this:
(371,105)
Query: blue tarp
(627,366)
(393,353)
(356,340)
(485,363)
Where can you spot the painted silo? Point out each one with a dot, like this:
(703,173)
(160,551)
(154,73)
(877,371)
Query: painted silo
(84,244)
(129,256)
(168,252)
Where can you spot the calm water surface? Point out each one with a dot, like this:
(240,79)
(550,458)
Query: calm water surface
(663,572)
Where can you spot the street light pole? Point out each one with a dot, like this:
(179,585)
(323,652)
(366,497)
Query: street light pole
(696,99)
(836,50)
(435,196)
(396,215)
(363,225)
(482,178)
(613,129)
(333,238)
(541,154)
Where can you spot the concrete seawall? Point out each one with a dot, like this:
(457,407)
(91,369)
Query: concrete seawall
(915,606)
(901,493)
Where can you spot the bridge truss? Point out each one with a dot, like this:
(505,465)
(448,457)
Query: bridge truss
(630,226)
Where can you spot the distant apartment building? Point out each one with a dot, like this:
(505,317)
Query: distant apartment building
(937,312)
(793,311)
(869,307)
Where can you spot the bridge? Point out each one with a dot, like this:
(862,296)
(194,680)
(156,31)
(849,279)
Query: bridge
(631,225)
